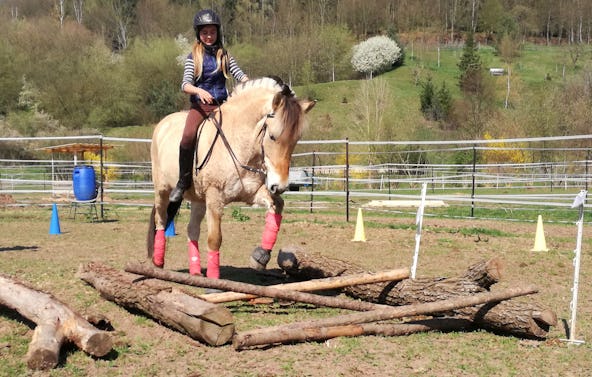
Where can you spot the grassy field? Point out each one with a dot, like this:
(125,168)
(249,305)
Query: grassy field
(143,347)
(333,117)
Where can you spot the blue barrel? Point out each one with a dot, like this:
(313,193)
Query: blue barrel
(83,180)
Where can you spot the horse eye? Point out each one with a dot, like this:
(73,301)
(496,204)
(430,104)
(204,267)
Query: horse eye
(272,137)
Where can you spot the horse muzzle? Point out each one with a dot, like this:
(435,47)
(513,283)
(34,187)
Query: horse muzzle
(275,184)
(276,189)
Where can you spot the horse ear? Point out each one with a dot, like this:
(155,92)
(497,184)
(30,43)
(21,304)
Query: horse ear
(306,106)
(277,100)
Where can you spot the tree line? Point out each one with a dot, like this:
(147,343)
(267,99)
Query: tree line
(80,65)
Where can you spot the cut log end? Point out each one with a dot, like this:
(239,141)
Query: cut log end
(42,359)
(99,344)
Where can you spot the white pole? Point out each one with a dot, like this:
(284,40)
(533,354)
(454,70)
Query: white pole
(578,202)
(418,223)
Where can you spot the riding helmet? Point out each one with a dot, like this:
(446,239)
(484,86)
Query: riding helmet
(205,17)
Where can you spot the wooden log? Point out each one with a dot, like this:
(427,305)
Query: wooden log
(289,333)
(316,285)
(201,320)
(382,329)
(523,319)
(56,323)
(228,285)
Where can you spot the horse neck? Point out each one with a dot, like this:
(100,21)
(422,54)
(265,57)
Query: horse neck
(241,124)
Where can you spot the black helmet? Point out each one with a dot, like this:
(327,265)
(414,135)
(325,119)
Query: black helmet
(205,17)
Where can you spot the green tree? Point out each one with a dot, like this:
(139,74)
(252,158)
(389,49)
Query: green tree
(469,64)
(435,104)
(427,99)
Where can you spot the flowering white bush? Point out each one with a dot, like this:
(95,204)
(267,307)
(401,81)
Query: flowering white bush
(376,54)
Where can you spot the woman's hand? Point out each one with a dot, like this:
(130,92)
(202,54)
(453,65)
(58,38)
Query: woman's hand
(204,96)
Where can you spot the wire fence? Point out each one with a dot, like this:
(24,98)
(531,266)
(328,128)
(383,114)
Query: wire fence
(528,174)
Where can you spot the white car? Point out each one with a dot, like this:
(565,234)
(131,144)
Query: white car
(298,178)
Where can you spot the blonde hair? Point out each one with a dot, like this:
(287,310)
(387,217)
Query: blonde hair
(221,59)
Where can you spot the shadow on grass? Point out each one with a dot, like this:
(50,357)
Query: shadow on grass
(18,248)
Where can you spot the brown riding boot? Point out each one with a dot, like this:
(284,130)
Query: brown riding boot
(185,174)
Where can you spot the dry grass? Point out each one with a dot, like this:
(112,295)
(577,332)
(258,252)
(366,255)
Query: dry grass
(145,348)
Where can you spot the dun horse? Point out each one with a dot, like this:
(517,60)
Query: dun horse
(243,155)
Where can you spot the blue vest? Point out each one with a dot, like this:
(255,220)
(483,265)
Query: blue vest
(211,80)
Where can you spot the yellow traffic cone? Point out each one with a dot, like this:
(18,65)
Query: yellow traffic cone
(539,239)
(360,235)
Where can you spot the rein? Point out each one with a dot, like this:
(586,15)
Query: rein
(220,132)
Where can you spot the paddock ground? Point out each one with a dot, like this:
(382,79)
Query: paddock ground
(145,348)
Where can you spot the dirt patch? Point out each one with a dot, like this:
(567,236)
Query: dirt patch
(6,199)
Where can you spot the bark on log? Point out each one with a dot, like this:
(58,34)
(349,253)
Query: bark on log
(529,320)
(56,323)
(316,285)
(201,320)
(289,333)
(228,285)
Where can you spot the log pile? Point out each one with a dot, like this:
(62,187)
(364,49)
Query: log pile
(201,320)
(418,305)
(330,327)
(56,324)
(521,319)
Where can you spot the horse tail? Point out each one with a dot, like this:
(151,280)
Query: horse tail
(151,234)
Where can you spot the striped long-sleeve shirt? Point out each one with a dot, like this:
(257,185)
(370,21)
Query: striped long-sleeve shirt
(211,79)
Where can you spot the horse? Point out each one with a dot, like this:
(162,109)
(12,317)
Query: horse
(243,154)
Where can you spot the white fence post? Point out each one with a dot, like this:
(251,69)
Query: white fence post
(579,202)
(418,223)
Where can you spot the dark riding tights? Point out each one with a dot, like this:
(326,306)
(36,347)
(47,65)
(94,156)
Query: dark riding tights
(196,115)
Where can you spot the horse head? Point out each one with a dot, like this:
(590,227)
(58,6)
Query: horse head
(283,129)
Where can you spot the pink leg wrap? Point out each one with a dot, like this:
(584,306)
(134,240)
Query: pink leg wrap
(272,227)
(159,248)
(194,262)
(213,271)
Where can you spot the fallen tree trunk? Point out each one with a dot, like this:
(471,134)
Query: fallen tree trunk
(291,332)
(223,284)
(201,320)
(56,323)
(530,320)
(316,285)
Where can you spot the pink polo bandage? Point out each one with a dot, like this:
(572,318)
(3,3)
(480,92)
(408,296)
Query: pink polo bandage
(159,248)
(213,271)
(194,261)
(272,227)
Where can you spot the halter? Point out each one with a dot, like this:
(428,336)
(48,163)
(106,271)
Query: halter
(220,132)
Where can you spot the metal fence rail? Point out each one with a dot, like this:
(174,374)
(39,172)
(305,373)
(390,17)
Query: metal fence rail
(341,171)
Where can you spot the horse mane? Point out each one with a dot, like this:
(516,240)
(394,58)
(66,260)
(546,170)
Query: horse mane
(291,112)
(259,83)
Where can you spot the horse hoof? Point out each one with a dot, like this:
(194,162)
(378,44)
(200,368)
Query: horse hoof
(259,258)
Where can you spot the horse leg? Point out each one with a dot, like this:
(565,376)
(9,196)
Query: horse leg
(215,208)
(198,211)
(160,218)
(273,219)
